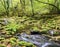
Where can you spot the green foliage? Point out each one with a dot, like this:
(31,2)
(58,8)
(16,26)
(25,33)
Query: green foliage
(35,28)
(23,43)
(1,45)
(28,7)
(56,33)
(1,38)
(13,41)
(12,27)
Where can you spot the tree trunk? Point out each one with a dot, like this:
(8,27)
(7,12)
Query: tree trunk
(32,8)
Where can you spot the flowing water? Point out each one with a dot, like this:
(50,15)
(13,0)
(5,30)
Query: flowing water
(38,40)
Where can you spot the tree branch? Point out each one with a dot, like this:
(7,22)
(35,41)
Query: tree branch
(48,4)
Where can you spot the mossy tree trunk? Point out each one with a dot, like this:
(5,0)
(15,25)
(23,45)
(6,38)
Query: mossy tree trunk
(55,5)
(32,8)
(22,2)
(6,5)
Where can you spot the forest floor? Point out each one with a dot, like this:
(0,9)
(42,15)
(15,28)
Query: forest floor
(24,24)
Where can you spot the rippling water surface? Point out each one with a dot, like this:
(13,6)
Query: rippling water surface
(38,40)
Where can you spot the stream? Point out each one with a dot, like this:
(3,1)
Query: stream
(38,40)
